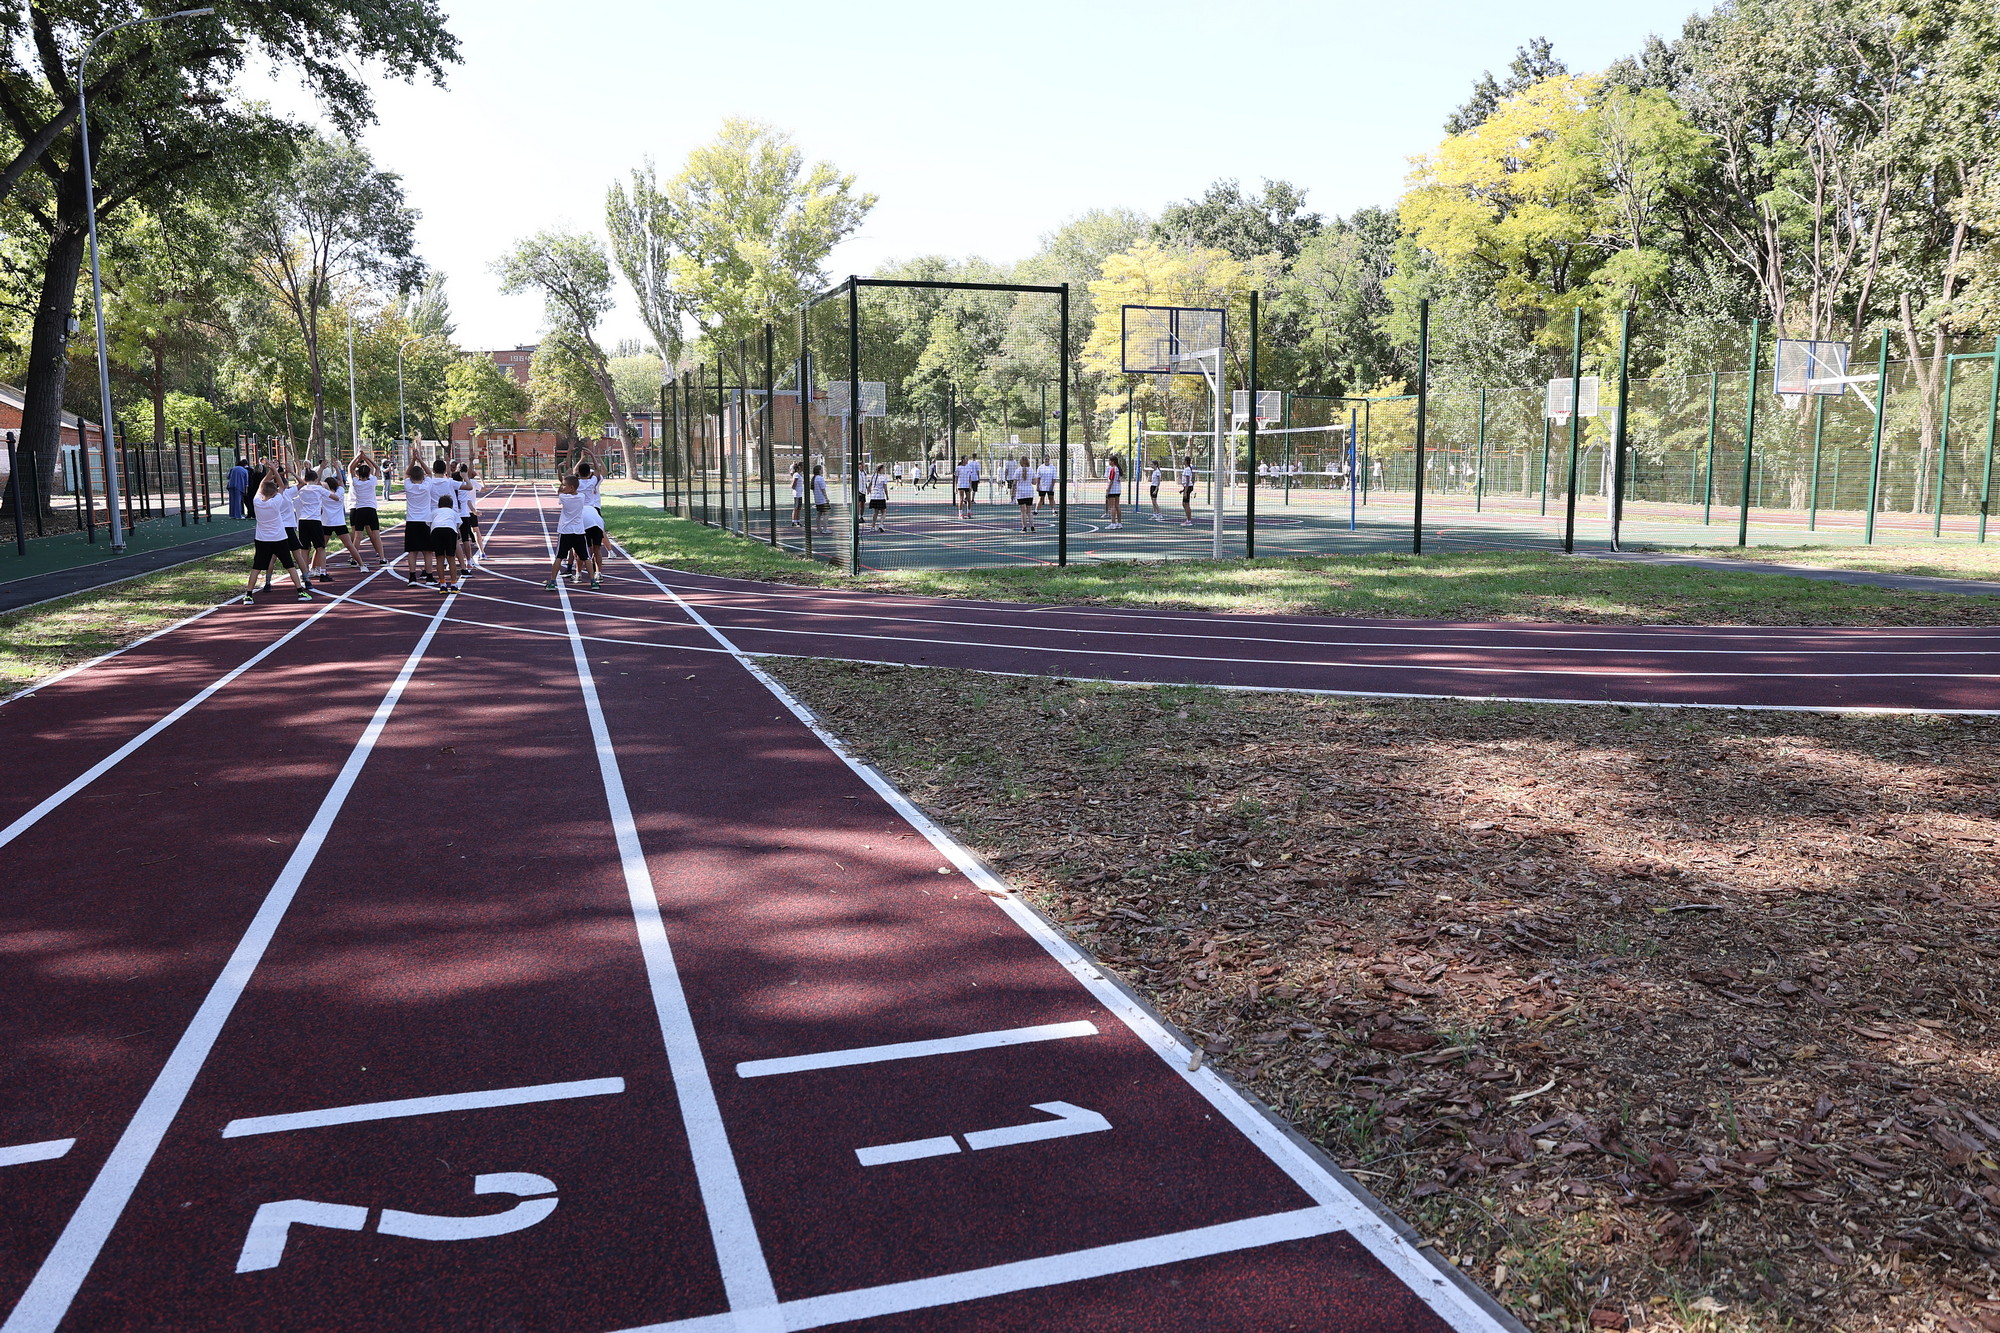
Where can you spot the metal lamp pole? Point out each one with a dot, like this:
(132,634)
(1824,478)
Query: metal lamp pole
(402,417)
(111,492)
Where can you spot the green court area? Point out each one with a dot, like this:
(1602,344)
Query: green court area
(68,550)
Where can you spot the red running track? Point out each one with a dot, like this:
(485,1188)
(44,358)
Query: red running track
(520,968)
(1948,669)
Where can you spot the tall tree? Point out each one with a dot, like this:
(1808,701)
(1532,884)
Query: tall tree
(1531,64)
(747,225)
(163,124)
(573,275)
(643,234)
(336,228)
(1274,222)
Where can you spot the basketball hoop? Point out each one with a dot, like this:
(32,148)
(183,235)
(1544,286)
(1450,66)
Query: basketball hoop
(1792,401)
(1561,417)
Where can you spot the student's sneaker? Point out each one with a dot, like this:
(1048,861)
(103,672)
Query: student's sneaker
(1187,522)
(595,584)
(550,585)
(325,577)
(265,588)
(356,563)
(247,600)
(305,595)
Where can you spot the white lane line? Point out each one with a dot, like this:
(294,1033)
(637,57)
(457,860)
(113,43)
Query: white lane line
(112,760)
(746,1275)
(1225,638)
(910,1151)
(1459,1306)
(1029,1274)
(456,1101)
(912,1050)
(45,1151)
(62,1273)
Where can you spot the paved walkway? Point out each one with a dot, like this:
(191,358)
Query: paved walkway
(41,587)
(1864,577)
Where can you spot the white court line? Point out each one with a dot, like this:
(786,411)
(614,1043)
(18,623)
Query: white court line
(56,1282)
(455,1101)
(45,1151)
(912,1050)
(746,1275)
(1338,1208)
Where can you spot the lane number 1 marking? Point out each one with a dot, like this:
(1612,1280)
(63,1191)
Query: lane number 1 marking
(1069,1120)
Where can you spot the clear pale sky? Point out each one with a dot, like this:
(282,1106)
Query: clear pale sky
(980,126)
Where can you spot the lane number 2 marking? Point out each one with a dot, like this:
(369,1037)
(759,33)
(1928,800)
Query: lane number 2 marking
(264,1246)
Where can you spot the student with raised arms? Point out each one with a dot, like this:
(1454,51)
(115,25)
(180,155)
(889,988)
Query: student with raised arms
(272,542)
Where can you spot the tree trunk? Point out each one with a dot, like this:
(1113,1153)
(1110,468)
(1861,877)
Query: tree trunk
(48,348)
(315,383)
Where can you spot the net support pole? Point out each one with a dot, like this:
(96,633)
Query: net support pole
(1944,451)
(1875,457)
(1618,434)
(1546,442)
(853,425)
(1819,438)
(1062,413)
(1708,468)
(1250,461)
(1992,418)
(1575,426)
(1353,472)
(1479,460)
(14,485)
(663,440)
(1217,492)
(770,450)
(1423,405)
(1749,435)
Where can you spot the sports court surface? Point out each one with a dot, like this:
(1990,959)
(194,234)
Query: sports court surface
(528,960)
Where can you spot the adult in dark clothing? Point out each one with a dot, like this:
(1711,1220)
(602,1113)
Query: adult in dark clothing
(256,472)
(239,487)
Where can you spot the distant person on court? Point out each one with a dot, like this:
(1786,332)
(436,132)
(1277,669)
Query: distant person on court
(1045,483)
(878,494)
(1114,493)
(239,488)
(1153,488)
(798,494)
(418,506)
(1187,492)
(333,517)
(444,530)
(821,506)
(271,541)
(962,485)
(1024,494)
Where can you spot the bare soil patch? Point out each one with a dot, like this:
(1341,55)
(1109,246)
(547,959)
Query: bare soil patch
(1652,1019)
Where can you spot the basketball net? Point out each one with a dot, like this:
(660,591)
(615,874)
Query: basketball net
(1562,418)
(1792,401)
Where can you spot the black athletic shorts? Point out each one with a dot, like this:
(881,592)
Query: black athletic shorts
(267,551)
(596,536)
(416,537)
(573,543)
(292,537)
(312,532)
(467,527)
(444,540)
(878,505)
(335,529)
(364,519)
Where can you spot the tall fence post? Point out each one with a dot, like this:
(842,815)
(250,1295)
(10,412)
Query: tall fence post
(1062,406)
(1819,436)
(1619,431)
(1423,404)
(14,485)
(1875,458)
(771,430)
(89,496)
(662,442)
(1575,425)
(1749,434)
(1992,417)
(1479,460)
(1944,449)
(1250,458)
(853,424)
(807,513)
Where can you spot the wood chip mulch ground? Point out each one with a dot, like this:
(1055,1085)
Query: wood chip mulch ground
(1651,1019)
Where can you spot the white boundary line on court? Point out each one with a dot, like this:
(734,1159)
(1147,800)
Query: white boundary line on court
(913,1050)
(1343,1210)
(62,1272)
(746,1275)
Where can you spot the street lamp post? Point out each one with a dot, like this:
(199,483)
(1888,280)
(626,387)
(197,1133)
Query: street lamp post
(402,417)
(111,489)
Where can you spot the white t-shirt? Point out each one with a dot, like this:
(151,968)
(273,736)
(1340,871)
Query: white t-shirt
(306,502)
(471,492)
(444,512)
(1114,480)
(1024,486)
(364,492)
(1013,470)
(1045,477)
(798,485)
(332,507)
(819,489)
(419,501)
(972,465)
(1187,477)
(587,487)
(290,510)
(271,523)
(878,487)
(575,519)
(966,477)
(1153,479)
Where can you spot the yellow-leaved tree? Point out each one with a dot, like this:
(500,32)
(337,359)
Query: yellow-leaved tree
(1157,275)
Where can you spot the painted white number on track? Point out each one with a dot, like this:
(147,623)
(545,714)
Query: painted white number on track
(1068,1120)
(264,1246)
